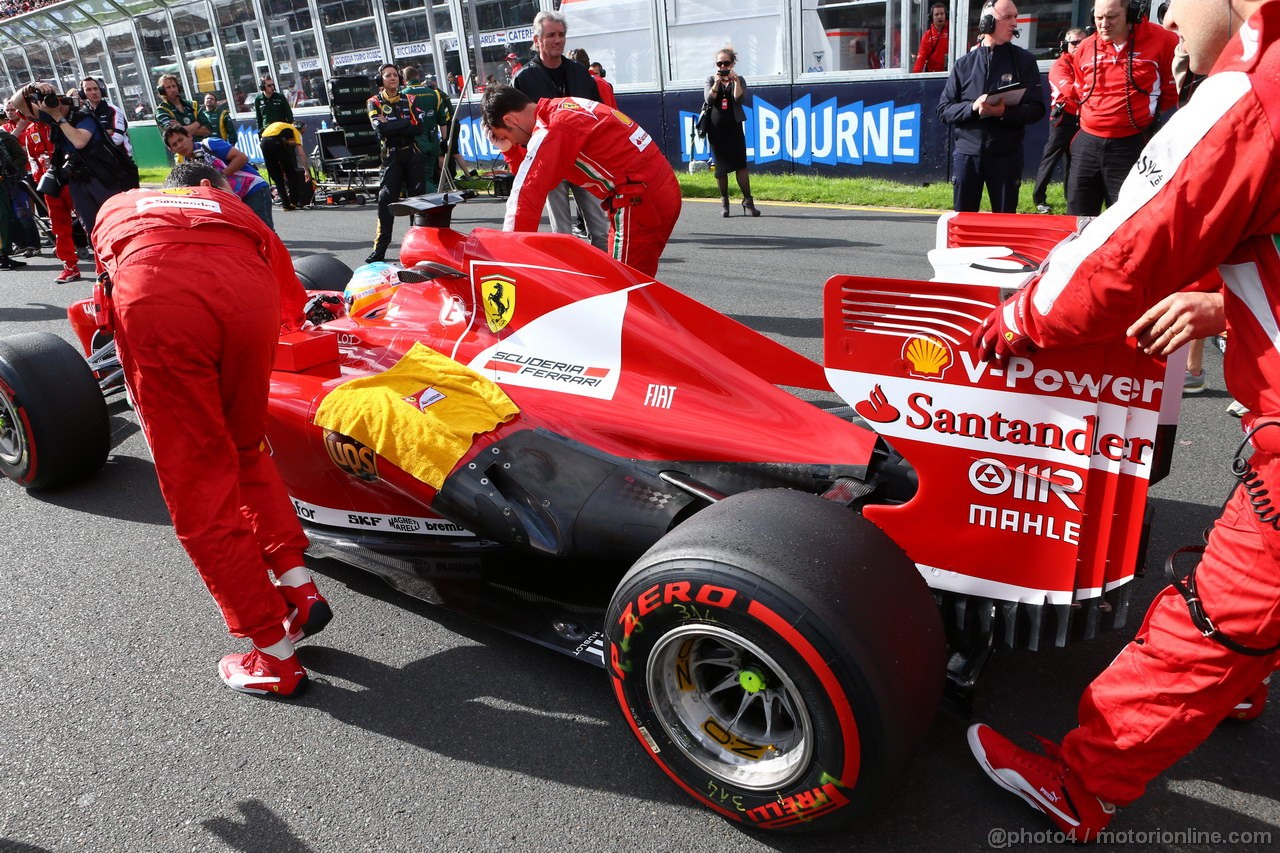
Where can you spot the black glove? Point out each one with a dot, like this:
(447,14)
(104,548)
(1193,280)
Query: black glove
(322,308)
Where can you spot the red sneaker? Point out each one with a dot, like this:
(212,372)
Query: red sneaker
(1044,781)
(69,273)
(262,674)
(309,612)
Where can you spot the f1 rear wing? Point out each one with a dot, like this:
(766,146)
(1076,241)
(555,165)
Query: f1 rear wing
(1033,474)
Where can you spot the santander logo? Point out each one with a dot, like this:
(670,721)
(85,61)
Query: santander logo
(877,408)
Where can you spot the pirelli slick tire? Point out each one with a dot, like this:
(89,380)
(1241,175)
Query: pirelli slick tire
(779,657)
(322,272)
(54,426)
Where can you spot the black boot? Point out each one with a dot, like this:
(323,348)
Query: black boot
(724,204)
(6,263)
(749,206)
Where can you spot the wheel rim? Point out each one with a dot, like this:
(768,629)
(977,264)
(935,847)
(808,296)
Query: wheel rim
(13,444)
(730,707)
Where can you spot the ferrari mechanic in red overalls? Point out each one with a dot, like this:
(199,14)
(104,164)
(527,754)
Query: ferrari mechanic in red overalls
(1204,194)
(196,340)
(40,151)
(597,148)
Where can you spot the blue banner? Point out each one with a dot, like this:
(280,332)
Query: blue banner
(826,133)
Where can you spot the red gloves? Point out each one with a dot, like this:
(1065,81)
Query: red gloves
(1003,334)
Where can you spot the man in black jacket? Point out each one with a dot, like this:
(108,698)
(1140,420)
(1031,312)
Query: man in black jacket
(548,75)
(993,93)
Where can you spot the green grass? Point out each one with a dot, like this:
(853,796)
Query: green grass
(870,192)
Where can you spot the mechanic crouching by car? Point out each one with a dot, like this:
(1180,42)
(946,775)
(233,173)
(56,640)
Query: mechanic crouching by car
(595,147)
(94,168)
(197,341)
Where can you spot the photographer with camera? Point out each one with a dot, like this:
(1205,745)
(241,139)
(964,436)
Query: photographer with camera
(37,138)
(90,165)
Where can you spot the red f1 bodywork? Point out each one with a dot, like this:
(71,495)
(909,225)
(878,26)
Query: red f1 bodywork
(638,406)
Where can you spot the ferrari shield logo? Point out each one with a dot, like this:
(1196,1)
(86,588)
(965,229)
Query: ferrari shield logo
(499,297)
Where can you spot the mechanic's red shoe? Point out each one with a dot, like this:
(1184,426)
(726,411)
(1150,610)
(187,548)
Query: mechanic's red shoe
(1044,781)
(69,273)
(1252,706)
(263,674)
(309,612)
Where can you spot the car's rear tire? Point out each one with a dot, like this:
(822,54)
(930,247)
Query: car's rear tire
(779,657)
(322,272)
(54,426)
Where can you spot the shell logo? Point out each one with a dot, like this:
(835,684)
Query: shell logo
(928,356)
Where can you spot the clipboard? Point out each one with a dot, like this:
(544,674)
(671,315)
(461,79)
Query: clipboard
(1008,95)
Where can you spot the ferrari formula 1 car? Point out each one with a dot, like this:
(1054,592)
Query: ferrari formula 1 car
(779,591)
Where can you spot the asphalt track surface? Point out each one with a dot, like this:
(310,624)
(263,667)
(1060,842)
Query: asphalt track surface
(423,731)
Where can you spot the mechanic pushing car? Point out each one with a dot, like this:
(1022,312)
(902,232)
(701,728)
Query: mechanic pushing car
(593,146)
(197,343)
(1210,640)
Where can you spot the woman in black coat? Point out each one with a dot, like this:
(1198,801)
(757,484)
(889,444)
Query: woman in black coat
(724,94)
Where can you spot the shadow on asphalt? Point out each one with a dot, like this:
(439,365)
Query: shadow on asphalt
(31,313)
(738,242)
(792,327)
(125,489)
(502,702)
(259,829)
(10,846)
